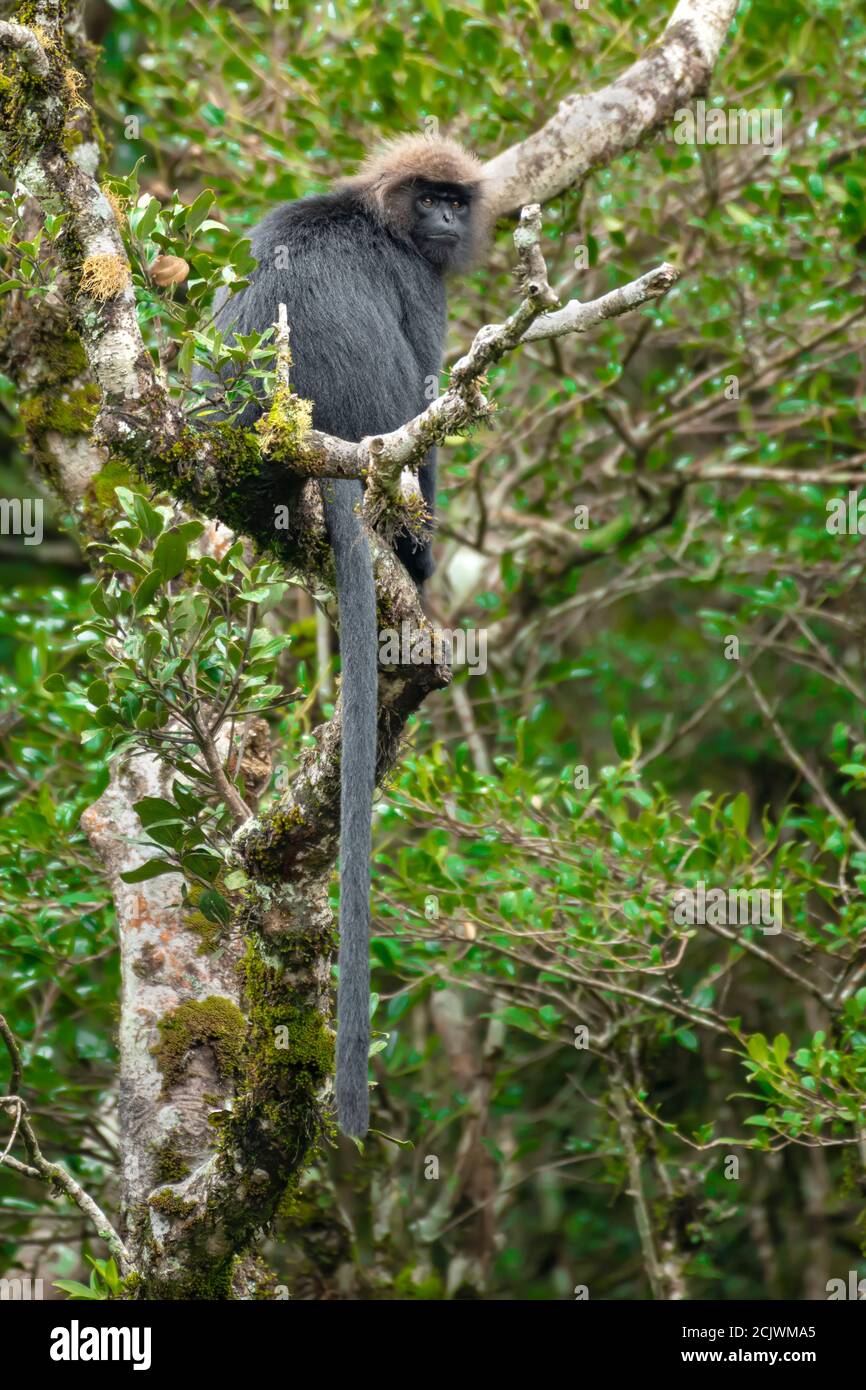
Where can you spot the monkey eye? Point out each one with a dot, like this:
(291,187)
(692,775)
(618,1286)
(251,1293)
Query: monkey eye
(457,203)
(426,202)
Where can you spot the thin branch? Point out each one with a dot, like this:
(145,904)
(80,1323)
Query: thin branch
(802,766)
(52,1173)
(577,317)
(26,46)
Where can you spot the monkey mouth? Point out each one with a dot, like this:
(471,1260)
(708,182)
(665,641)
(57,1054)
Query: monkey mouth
(444,236)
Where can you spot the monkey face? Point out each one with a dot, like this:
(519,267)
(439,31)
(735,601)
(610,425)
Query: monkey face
(441,223)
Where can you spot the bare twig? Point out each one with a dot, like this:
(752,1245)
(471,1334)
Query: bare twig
(577,317)
(802,766)
(51,1173)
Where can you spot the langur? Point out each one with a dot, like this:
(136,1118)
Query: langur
(361,271)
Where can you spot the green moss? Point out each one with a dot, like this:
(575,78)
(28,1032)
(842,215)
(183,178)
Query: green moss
(171,1166)
(209,933)
(27,121)
(294,1209)
(12,98)
(169,1204)
(288,1059)
(112,475)
(68,412)
(429,1289)
(214,1022)
(237,463)
(65,356)
(72,138)
(99,508)
(280,1056)
(209,1282)
(285,426)
(202,1280)
(267,850)
(27,12)
(237,485)
(130,1285)
(266,1285)
(288,1041)
(56,397)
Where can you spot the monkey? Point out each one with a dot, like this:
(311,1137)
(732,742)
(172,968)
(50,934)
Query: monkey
(361,270)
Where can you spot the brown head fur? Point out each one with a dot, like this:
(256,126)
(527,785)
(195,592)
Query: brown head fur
(385,180)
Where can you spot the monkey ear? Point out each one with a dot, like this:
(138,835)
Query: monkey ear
(393,207)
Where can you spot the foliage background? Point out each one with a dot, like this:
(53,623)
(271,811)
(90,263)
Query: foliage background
(605,652)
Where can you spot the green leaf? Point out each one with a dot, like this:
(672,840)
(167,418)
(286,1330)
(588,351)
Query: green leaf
(147,589)
(523,1019)
(101,603)
(145,223)
(740,812)
(255,595)
(152,869)
(169,556)
(621,740)
(186,356)
(121,561)
(202,865)
(155,810)
(148,518)
(107,716)
(79,1291)
(198,212)
(215,907)
(739,215)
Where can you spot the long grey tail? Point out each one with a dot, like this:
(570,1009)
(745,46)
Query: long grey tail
(356,594)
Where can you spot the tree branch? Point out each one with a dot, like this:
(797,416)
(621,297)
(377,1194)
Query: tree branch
(52,1173)
(24,43)
(592,130)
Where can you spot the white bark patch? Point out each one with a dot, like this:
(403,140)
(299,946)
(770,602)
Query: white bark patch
(86,156)
(160,968)
(77,460)
(102,208)
(33,182)
(113,361)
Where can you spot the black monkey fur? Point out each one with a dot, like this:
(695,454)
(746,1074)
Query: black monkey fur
(360,271)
